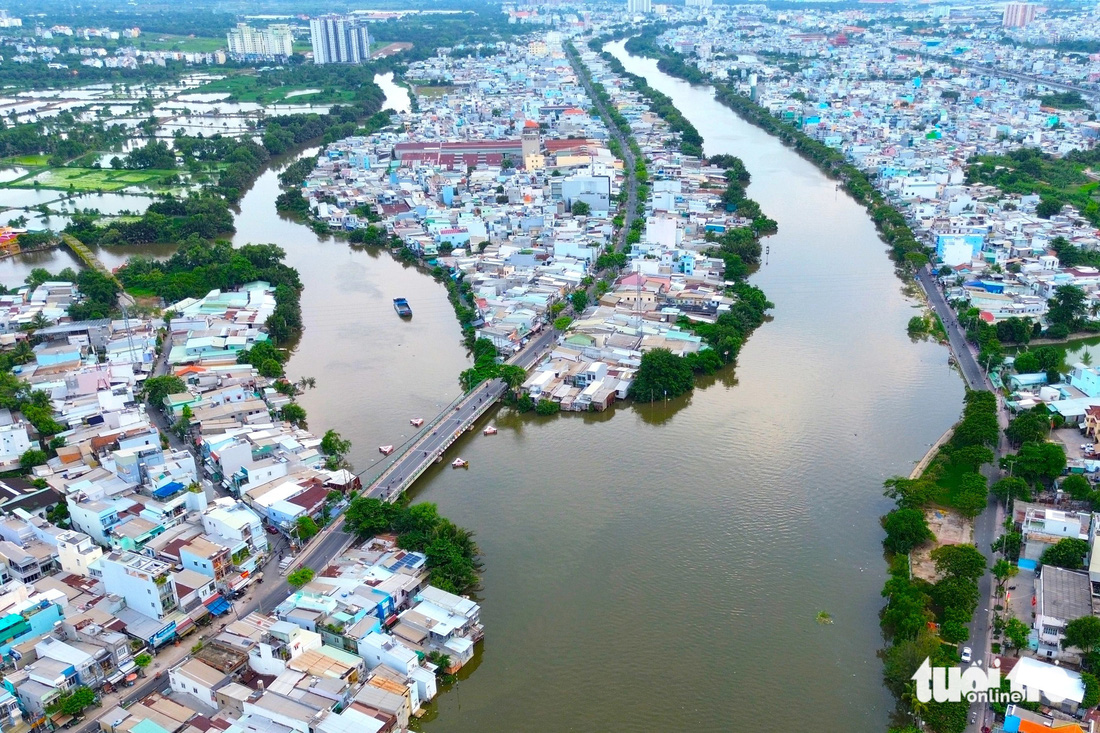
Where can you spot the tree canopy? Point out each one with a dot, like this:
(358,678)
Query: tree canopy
(906,529)
(452,556)
(1068,552)
(661,374)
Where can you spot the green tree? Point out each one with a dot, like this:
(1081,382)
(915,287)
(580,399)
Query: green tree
(299,577)
(562,322)
(579,299)
(1092,690)
(75,700)
(1028,427)
(294,414)
(970,498)
(901,660)
(307,528)
(946,717)
(1083,633)
(956,593)
(1011,488)
(32,457)
(954,632)
(547,407)
(184,423)
(1039,462)
(580,208)
(911,493)
(959,561)
(367,517)
(156,389)
(1077,486)
(1009,545)
(1027,363)
(334,446)
(661,374)
(1003,570)
(1069,552)
(513,376)
(142,661)
(906,529)
(1068,307)
(1017,633)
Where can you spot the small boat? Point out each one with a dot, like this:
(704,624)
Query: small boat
(459,463)
(416,421)
(489,431)
(402,307)
(385,449)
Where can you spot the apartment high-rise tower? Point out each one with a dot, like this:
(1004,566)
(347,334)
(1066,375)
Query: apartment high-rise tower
(339,39)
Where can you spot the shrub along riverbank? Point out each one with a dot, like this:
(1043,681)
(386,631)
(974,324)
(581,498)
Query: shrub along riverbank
(913,604)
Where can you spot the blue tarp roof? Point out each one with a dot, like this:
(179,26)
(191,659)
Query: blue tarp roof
(168,489)
(218,606)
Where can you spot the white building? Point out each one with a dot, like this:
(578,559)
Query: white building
(639,6)
(145,583)
(233,520)
(339,39)
(274,41)
(76,552)
(14,442)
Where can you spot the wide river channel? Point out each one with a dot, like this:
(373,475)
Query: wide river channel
(660,567)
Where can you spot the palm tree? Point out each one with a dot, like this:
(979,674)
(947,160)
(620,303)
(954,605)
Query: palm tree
(22,353)
(512,375)
(1086,358)
(918,708)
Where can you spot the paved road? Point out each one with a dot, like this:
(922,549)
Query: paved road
(425,451)
(273,588)
(1001,73)
(968,363)
(987,524)
(630,181)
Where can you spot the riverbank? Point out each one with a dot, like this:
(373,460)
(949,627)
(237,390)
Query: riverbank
(907,253)
(958,490)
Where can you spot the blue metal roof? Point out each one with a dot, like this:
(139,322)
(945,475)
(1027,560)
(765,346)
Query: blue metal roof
(168,489)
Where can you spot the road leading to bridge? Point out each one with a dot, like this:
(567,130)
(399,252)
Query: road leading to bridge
(447,428)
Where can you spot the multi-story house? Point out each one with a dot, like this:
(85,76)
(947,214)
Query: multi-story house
(207,558)
(146,584)
(76,552)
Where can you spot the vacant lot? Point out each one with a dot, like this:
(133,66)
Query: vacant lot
(950,528)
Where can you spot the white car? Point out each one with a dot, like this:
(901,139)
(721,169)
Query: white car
(966,655)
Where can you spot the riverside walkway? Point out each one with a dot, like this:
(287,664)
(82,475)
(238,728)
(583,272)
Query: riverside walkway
(438,435)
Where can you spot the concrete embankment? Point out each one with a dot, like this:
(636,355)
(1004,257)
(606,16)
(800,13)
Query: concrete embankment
(922,464)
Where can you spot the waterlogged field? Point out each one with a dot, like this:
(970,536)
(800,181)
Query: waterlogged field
(257,88)
(93,179)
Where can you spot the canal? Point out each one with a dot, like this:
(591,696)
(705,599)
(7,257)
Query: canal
(658,567)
